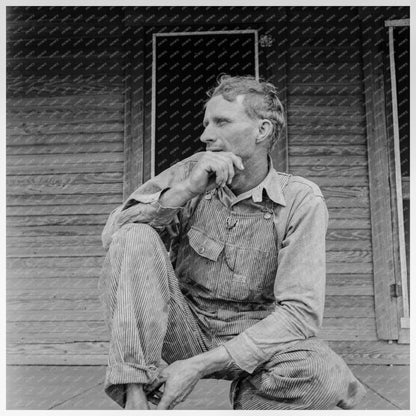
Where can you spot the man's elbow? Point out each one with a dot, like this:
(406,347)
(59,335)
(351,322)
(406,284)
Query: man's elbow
(303,319)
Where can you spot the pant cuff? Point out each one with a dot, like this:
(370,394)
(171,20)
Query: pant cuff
(118,376)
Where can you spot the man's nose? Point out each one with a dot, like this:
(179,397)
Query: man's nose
(207,135)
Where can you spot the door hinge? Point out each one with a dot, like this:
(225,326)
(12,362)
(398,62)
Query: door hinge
(396,290)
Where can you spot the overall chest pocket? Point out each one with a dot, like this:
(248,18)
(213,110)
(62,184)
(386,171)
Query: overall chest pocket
(202,259)
(253,273)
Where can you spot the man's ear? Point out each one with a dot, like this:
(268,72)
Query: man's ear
(265,130)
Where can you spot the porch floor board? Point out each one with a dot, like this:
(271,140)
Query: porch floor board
(81,388)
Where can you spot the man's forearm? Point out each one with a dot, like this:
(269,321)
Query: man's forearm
(176,196)
(211,361)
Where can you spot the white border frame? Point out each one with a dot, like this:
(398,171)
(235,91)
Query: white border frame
(171,34)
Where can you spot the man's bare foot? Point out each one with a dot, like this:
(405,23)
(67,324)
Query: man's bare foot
(136,398)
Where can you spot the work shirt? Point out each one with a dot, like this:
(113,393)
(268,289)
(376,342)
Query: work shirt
(252,266)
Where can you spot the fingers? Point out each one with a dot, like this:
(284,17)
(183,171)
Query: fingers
(223,165)
(149,388)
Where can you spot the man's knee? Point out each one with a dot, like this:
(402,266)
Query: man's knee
(134,234)
(306,380)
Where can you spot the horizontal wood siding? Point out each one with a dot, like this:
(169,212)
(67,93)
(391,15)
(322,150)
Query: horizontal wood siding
(328,145)
(65,144)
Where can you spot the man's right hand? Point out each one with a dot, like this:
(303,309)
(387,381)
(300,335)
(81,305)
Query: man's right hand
(214,169)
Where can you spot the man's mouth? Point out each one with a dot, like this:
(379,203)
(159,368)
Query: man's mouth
(213,149)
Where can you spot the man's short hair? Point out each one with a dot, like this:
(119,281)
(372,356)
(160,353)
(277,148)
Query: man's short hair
(260,101)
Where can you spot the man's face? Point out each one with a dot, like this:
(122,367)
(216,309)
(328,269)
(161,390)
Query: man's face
(228,128)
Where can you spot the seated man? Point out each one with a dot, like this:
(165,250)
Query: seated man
(240,295)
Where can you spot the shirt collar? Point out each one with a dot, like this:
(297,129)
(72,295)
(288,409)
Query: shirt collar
(272,184)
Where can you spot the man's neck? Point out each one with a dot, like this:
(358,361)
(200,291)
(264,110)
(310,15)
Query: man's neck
(255,170)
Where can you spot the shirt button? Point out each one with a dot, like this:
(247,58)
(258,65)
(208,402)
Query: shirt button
(208,196)
(201,250)
(267,215)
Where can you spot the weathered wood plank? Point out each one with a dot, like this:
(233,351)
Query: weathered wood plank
(323,54)
(326,120)
(350,213)
(58,231)
(346,181)
(56,359)
(64,200)
(65,47)
(54,288)
(354,102)
(345,268)
(101,63)
(60,85)
(62,251)
(359,193)
(63,139)
(35,220)
(349,224)
(352,256)
(348,235)
(64,148)
(60,209)
(348,329)
(22,169)
(343,201)
(319,89)
(65,179)
(332,38)
(55,15)
(335,150)
(95,353)
(77,348)
(372,352)
(77,271)
(92,102)
(52,189)
(52,115)
(320,18)
(50,332)
(324,74)
(73,128)
(327,139)
(326,161)
(340,245)
(341,306)
(334,170)
(51,31)
(53,241)
(57,316)
(349,285)
(54,263)
(22,304)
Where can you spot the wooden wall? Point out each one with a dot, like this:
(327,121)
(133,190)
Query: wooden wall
(65,133)
(327,144)
(65,143)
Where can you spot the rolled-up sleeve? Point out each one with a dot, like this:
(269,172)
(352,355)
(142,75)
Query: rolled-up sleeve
(143,205)
(299,289)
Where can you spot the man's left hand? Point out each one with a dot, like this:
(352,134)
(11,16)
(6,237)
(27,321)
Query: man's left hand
(179,379)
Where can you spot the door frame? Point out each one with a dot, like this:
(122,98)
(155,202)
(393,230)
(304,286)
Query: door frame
(157,35)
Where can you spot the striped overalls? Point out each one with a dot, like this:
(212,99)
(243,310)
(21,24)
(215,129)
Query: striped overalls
(222,283)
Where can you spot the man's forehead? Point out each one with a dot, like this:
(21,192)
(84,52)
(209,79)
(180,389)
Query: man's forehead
(218,101)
